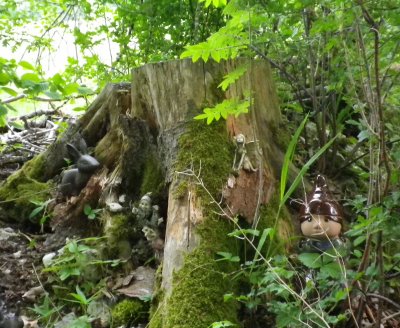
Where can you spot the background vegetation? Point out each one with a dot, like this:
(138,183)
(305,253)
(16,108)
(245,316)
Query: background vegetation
(336,61)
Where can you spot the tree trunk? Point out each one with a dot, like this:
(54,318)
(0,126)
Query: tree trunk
(146,139)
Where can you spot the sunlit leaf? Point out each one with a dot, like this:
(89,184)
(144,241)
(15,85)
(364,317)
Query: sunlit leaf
(26,65)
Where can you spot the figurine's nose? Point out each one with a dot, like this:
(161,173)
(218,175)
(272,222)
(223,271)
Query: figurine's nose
(317,225)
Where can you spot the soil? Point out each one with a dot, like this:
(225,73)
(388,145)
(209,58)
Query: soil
(21,263)
(23,247)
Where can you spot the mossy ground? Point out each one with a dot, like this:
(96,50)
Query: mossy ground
(129,312)
(19,192)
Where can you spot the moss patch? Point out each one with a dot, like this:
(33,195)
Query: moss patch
(21,189)
(129,312)
(153,179)
(118,230)
(197,298)
(208,148)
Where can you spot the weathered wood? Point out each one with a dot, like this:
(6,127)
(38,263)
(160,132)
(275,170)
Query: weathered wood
(167,96)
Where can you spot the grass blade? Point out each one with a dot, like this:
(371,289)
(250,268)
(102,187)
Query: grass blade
(289,157)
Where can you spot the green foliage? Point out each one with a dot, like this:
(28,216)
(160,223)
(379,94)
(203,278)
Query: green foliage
(41,209)
(90,212)
(224,109)
(221,324)
(288,159)
(78,259)
(107,39)
(46,311)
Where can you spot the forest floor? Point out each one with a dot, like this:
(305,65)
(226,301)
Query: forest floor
(23,246)
(21,256)
(21,252)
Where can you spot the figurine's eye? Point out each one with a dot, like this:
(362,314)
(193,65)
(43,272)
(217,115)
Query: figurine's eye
(326,219)
(309,219)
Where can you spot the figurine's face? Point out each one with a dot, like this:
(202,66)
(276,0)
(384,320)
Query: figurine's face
(320,227)
(239,139)
(145,205)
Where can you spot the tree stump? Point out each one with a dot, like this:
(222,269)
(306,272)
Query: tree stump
(146,139)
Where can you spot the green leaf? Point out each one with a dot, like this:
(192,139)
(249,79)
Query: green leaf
(85,91)
(232,77)
(53,94)
(79,109)
(36,211)
(87,209)
(65,273)
(304,169)
(221,324)
(289,156)
(340,295)
(242,232)
(26,65)
(30,77)
(228,257)
(266,232)
(71,88)
(10,91)
(332,270)
(4,78)
(311,260)
(359,240)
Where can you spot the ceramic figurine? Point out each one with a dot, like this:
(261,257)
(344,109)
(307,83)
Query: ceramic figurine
(321,219)
(74,180)
(147,214)
(242,160)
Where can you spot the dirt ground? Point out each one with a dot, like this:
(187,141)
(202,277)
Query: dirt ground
(20,266)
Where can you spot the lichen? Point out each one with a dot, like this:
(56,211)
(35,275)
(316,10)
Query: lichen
(22,189)
(129,312)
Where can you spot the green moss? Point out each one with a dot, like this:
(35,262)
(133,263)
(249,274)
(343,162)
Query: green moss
(153,179)
(128,312)
(208,148)
(197,298)
(157,300)
(21,189)
(118,230)
(35,167)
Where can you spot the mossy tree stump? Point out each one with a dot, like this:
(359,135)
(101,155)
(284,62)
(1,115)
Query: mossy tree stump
(146,139)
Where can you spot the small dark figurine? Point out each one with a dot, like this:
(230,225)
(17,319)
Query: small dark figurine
(74,180)
(321,219)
